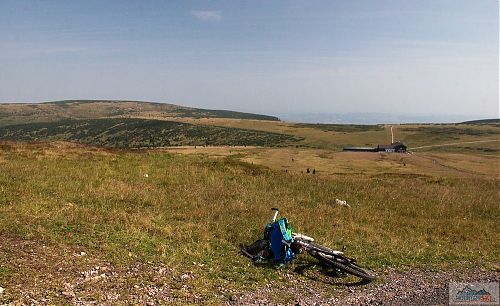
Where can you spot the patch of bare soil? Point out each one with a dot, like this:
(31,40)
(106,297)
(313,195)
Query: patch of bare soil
(34,273)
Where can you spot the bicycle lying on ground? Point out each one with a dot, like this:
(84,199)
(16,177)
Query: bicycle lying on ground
(281,244)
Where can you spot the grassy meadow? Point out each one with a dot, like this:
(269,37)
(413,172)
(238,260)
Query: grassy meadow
(77,197)
(191,212)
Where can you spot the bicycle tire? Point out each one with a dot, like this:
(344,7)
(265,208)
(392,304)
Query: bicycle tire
(346,266)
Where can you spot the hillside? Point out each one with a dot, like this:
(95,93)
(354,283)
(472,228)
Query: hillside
(135,133)
(14,113)
(482,121)
(140,125)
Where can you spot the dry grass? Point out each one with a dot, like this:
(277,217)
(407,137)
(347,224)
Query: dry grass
(198,209)
(326,162)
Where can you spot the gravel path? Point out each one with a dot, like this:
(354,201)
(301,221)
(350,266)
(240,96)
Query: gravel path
(44,274)
(416,287)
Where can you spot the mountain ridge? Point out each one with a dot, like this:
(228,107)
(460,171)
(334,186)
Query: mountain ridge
(49,111)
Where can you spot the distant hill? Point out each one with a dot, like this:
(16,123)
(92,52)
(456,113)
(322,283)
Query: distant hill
(144,124)
(17,113)
(134,133)
(482,121)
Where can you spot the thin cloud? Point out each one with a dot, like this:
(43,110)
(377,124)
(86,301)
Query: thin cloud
(207,15)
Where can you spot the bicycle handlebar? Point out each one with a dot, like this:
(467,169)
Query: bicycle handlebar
(276,211)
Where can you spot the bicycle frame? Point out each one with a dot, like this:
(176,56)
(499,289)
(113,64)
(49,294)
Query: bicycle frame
(281,245)
(302,239)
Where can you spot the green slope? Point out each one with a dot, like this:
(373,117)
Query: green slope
(133,133)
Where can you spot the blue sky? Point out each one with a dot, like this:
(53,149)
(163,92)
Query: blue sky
(421,57)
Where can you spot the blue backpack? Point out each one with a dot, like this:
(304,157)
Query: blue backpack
(279,235)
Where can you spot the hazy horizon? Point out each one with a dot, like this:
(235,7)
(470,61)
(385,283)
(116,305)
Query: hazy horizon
(401,58)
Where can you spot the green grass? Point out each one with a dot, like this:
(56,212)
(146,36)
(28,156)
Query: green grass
(196,209)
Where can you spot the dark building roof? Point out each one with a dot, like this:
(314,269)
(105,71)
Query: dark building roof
(393,147)
(360,149)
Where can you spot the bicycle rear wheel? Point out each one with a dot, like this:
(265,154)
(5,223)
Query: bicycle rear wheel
(344,265)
